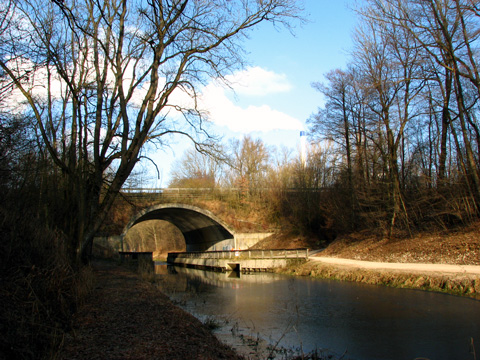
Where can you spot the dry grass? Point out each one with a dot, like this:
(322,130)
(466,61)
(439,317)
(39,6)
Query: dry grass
(457,285)
(459,246)
(40,290)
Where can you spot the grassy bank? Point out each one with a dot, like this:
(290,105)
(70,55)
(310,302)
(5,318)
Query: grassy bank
(457,246)
(461,285)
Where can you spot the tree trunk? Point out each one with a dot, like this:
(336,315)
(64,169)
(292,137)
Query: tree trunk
(444,129)
(471,169)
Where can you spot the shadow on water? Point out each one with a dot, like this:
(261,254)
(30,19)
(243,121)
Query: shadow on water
(255,312)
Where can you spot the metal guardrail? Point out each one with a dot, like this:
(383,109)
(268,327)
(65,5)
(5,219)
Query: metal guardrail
(244,254)
(216,189)
(179,193)
(171,194)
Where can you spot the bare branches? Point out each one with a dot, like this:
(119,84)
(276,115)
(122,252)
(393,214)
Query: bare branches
(407,108)
(104,77)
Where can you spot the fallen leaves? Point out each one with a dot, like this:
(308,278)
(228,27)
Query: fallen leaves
(127,318)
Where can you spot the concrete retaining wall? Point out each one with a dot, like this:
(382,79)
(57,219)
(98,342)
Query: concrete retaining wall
(236,264)
(245,240)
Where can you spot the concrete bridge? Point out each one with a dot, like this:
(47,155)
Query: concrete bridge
(202,230)
(184,208)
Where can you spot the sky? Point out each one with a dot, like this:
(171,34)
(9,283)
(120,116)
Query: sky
(273,96)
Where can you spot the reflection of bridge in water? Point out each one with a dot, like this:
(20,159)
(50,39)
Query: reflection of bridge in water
(228,279)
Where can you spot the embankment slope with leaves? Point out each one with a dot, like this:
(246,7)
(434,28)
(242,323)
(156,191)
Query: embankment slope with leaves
(460,246)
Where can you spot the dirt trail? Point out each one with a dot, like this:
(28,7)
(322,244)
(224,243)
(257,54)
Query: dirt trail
(444,269)
(126,318)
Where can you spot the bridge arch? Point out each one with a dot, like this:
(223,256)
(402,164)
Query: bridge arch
(202,230)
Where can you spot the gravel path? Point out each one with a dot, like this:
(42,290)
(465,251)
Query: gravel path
(411,267)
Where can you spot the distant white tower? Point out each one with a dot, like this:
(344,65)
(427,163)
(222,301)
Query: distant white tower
(303,148)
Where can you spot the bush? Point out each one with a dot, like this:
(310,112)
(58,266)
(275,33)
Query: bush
(40,289)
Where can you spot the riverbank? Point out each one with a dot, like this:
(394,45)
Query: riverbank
(126,317)
(405,261)
(456,283)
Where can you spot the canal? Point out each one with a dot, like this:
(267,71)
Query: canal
(297,315)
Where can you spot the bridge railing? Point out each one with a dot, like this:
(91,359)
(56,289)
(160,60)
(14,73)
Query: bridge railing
(244,254)
(208,193)
(169,194)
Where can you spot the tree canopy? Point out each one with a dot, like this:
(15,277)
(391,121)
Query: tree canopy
(103,78)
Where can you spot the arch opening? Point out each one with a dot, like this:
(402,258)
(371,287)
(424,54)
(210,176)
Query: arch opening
(202,230)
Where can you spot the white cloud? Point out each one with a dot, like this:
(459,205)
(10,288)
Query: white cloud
(215,99)
(256,81)
(253,81)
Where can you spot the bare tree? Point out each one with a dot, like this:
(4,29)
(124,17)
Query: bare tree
(334,121)
(102,78)
(157,236)
(391,61)
(195,170)
(248,163)
(447,32)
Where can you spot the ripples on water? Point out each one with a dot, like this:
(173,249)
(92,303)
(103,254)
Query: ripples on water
(305,315)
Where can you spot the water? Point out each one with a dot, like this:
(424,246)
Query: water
(305,314)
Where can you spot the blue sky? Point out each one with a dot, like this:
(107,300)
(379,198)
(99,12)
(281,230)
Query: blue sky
(273,96)
(317,47)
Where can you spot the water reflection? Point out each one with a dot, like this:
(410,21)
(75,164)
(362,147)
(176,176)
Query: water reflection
(369,322)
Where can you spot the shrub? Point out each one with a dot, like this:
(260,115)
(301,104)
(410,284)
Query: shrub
(40,289)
